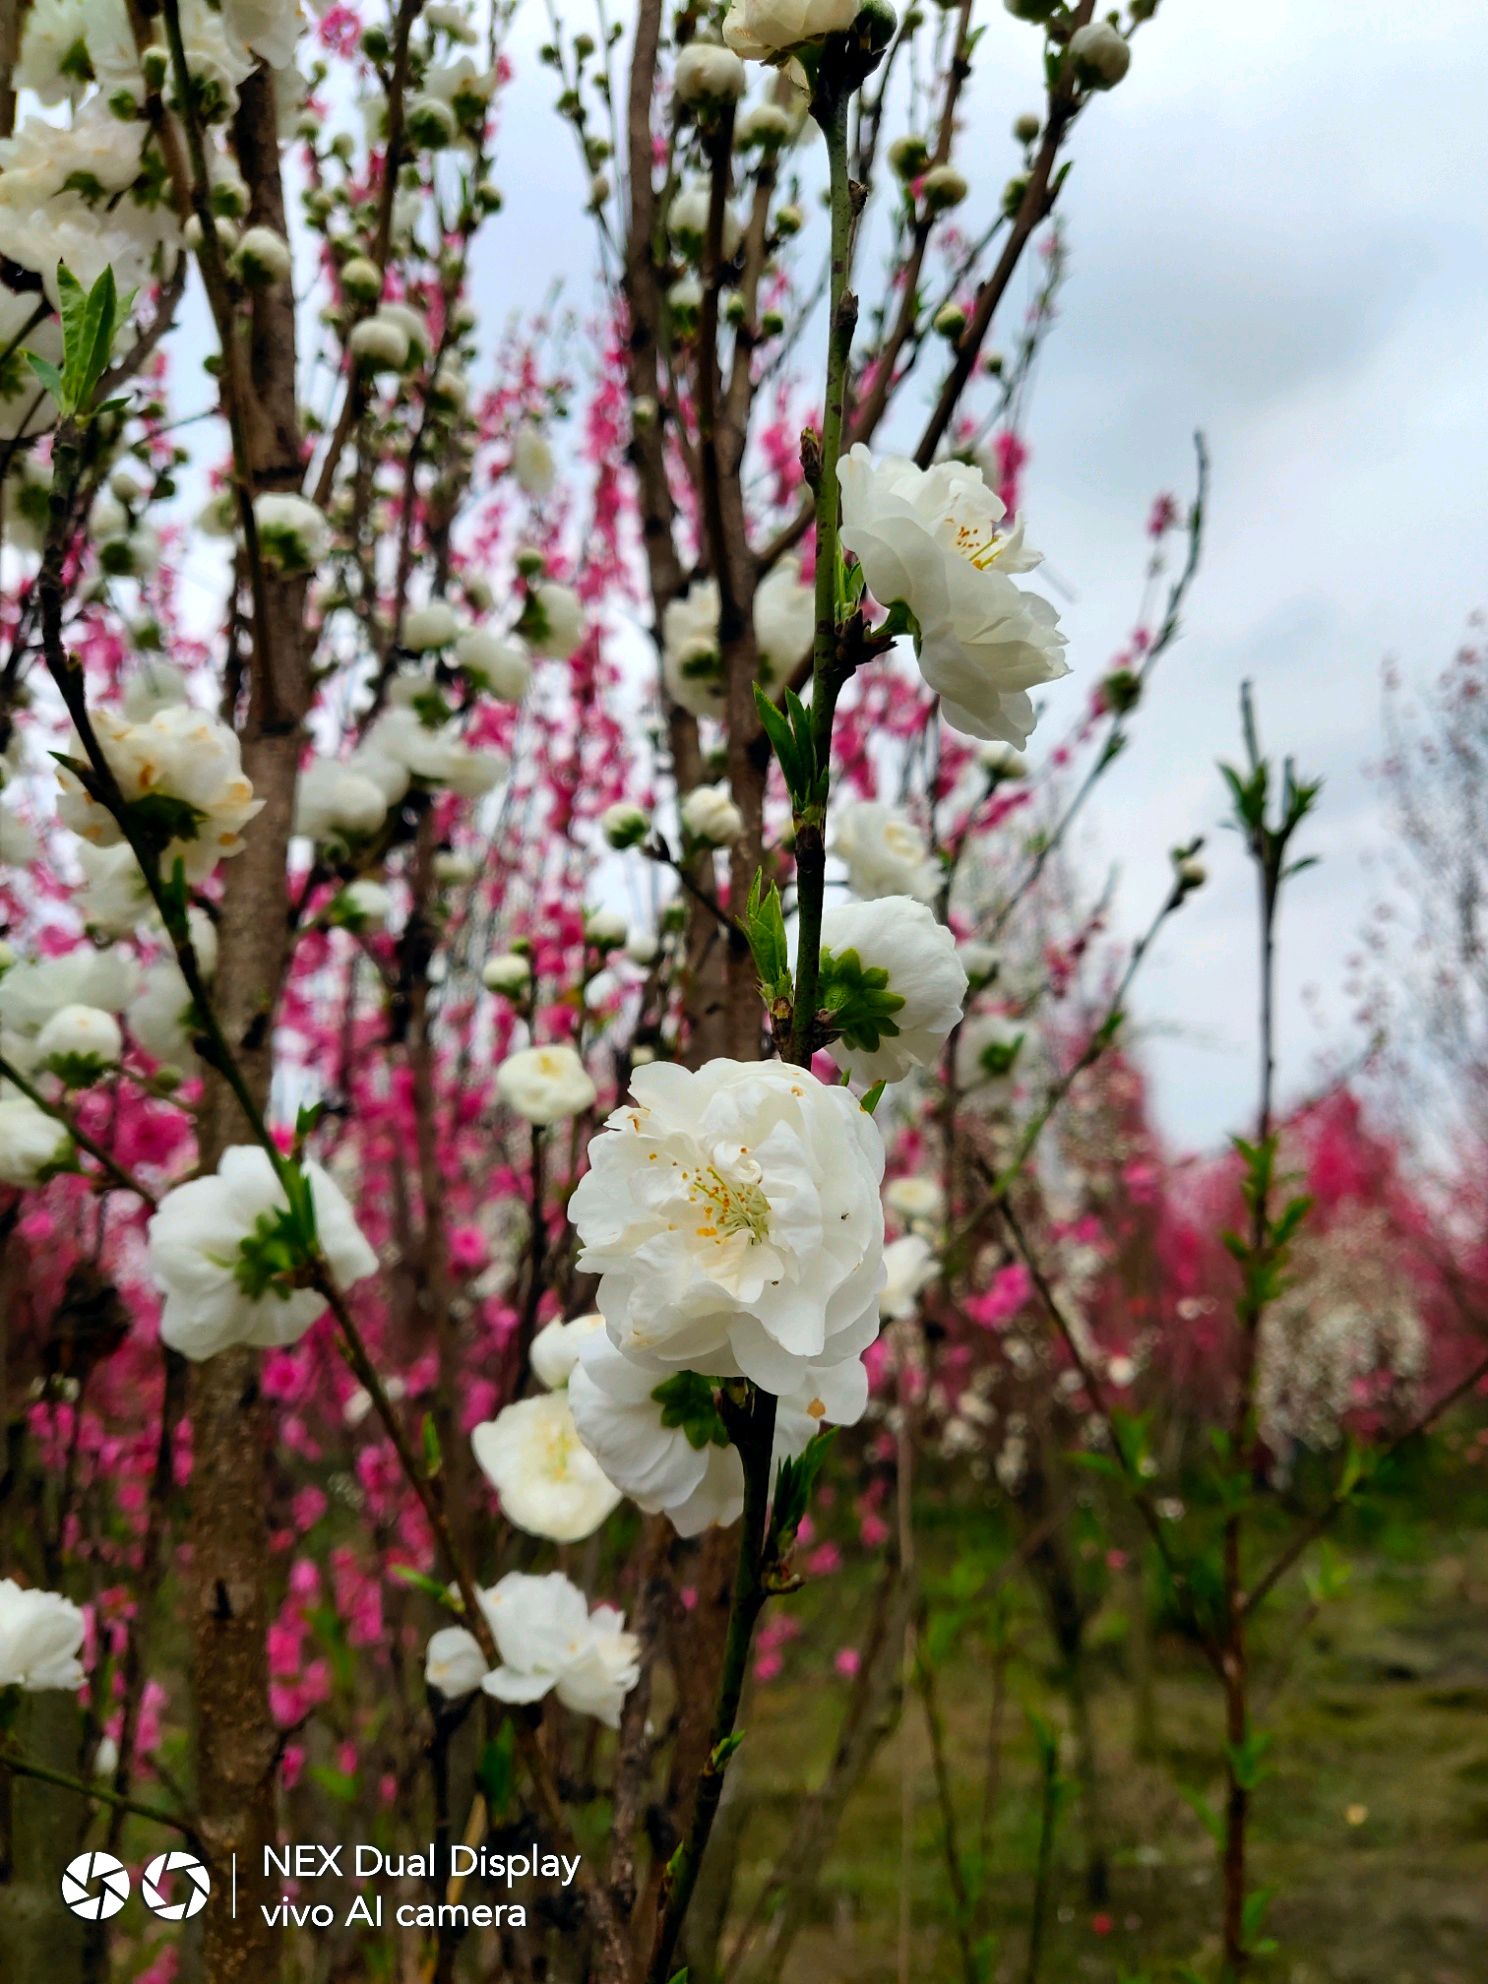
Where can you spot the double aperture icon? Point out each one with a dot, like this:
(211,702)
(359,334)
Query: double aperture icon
(174,1886)
(95,1886)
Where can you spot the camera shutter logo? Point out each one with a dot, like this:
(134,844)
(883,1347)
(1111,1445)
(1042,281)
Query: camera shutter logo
(95,1886)
(179,1874)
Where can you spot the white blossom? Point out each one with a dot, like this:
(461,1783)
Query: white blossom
(80,1040)
(557,626)
(32,1144)
(885,852)
(334,799)
(784,622)
(557,1346)
(764,30)
(624,824)
(1101,54)
(379,344)
(427,627)
(498,663)
(690,659)
(661,1441)
(262,257)
(546,1084)
(709,814)
(898,935)
(41,1637)
(533,463)
(733,1214)
(706,73)
(911,1267)
(293,535)
(915,1201)
(550,1642)
(549,1483)
(399,747)
(508,972)
(184,762)
(212,1255)
(930,540)
(454,1663)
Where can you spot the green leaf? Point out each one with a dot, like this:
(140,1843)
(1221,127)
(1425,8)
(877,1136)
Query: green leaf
(431,1587)
(793,1488)
(763,925)
(872,1099)
(433,1454)
(48,374)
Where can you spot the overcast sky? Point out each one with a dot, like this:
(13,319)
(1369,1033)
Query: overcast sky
(1277,229)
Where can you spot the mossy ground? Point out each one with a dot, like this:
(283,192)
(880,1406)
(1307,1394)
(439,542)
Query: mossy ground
(1371,1827)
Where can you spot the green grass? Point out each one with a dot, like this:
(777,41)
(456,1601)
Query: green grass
(1372,1826)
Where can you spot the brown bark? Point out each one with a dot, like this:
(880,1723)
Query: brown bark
(236,1738)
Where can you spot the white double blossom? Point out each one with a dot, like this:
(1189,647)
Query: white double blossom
(549,1482)
(213,1254)
(546,1084)
(454,1663)
(557,1347)
(400,748)
(931,540)
(732,1213)
(41,1637)
(708,814)
(184,761)
(900,936)
(766,30)
(885,852)
(78,1041)
(670,1459)
(32,1143)
(551,1643)
(784,621)
(910,1267)
(334,800)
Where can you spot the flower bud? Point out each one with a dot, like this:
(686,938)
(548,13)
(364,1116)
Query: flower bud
(361,280)
(1027,127)
(950,320)
(624,825)
(943,188)
(263,258)
(710,815)
(508,973)
(605,929)
(1100,54)
(909,155)
(708,74)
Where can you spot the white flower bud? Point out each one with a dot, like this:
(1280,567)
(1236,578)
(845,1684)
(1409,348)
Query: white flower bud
(1002,760)
(707,73)
(606,929)
(1101,55)
(378,344)
(508,973)
(80,1043)
(262,258)
(624,825)
(497,663)
(361,280)
(943,188)
(428,627)
(709,814)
